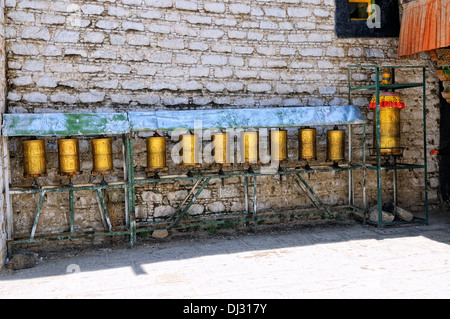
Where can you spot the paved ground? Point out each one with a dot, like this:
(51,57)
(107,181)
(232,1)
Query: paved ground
(331,260)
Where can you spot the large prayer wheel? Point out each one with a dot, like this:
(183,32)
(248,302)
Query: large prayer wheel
(102,156)
(250,147)
(389,131)
(307,145)
(335,145)
(189,150)
(34,158)
(156,153)
(278,145)
(390,104)
(69,159)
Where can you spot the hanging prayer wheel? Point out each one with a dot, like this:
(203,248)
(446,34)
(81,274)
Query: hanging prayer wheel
(102,156)
(278,145)
(220,149)
(69,159)
(156,153)
(335,145)
(307,147)
(189,150)
(34,158)
(250,147)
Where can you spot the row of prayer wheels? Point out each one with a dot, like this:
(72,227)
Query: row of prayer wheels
(69,159)
(34,156)
(249,145)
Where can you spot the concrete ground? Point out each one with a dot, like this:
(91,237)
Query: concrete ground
(328,260)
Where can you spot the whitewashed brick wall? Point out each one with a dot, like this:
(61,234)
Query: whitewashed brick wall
(140,54)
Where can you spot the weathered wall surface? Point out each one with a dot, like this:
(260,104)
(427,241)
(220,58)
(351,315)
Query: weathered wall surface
(101,56)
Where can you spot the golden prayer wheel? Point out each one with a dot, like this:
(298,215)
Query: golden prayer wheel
(220,149)
(250,147)
(389,131)
(278,145)
(387,76)
(34,158)
(189,150)
(102,155)
(307,145)
(156,153)
(390,104)
(335,145)
(69,160)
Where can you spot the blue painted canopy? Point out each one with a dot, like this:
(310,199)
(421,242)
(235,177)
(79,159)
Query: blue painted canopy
(61,124)
(246,118)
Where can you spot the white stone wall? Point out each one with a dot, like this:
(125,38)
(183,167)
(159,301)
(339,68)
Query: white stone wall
(152,53)
(101,56)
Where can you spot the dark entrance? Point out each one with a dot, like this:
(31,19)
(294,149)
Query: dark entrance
(444,152)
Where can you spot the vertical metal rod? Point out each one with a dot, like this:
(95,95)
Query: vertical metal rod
(395,182)
(71,218)
(364,173)
(350,172)
(38,213)
(126,179)
(9,212)
(425,144)
(131,191)
(377,132)
(349,87)
(246,194)
(254,203)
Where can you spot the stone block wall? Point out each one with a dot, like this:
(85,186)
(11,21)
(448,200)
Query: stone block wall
(105,56)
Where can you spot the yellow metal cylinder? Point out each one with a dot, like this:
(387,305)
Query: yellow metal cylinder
(69,159)
(189,150)
(307,145)
(250,147)
(278,145)
(156,153)
(220,148)
(102,156)
(335,145)
(34,158)
(389,131)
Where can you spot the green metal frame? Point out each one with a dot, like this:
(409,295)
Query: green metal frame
(121,124)
(377,87)
(231,118)
(54,125)
(203,180)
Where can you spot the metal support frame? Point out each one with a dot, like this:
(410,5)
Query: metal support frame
(70,233)
(320,208)
(377,87)
(114,124)
(247,118)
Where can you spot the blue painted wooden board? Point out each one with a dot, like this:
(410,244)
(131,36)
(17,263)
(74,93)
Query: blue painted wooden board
(61,124)
(246,118)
